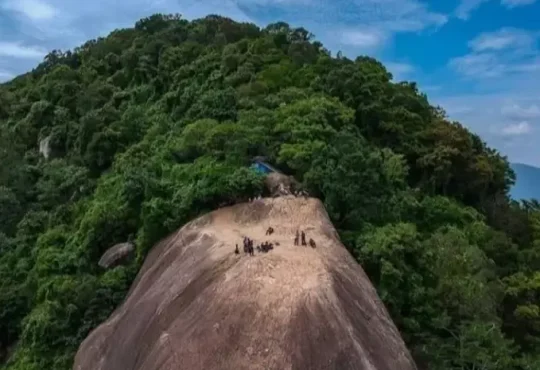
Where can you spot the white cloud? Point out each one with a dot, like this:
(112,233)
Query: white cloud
(352,24)
(63,24)
(505,38)
(466,7)
(399,67)
(17,50)
(399,70)
(274,2)
(531,66)
(362,38)
(493,54)
(33,9)
(515,111)
(515,3)
(5,76)
(503,68)
(337,23)
(516,129)
(399,15)
(478,65)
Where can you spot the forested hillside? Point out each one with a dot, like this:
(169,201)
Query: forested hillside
(154,125)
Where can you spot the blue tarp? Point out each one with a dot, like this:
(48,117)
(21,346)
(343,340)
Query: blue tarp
(262,167)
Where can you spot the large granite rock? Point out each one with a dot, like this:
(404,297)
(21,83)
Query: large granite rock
(197,305)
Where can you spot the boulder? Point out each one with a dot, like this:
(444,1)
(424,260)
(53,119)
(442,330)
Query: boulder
(116,255)
(279,184)
(196,304)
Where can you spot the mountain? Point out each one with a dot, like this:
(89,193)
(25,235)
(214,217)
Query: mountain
(114,145)
(527,184)
(195,304)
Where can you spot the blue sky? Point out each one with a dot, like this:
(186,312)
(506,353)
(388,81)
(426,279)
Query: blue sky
(478,59)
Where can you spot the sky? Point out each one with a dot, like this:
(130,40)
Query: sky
(477,59)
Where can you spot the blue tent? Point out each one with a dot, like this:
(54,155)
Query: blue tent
(263,167)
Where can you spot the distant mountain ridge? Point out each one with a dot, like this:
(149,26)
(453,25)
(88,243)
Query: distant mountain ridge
(527,182)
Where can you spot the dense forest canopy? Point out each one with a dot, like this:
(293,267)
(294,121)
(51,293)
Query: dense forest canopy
(136,133)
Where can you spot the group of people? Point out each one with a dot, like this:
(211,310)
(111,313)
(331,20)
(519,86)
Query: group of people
(265,247)
(250,249)
(248,246)
(300,238)
(300,193)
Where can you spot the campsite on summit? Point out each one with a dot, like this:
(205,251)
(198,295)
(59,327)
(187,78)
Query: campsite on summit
(213,194)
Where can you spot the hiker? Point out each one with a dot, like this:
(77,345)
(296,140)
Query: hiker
(312,243)
(270,231)
(236,251)
(296,238)
(303,238)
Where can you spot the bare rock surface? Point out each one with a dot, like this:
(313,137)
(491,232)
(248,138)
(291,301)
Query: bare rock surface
(196,304)
(45,147)
(116,255)
(279,184)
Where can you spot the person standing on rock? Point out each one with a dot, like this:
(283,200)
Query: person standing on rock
(236,251)
(296,239)
(304,238)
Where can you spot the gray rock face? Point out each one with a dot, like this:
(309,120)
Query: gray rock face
(279,184)
(196,304)
(116,255)
(45,147)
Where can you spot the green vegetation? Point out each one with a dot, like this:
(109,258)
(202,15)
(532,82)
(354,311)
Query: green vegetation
(154,125)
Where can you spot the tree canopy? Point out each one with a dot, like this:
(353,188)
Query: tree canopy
(138,132)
